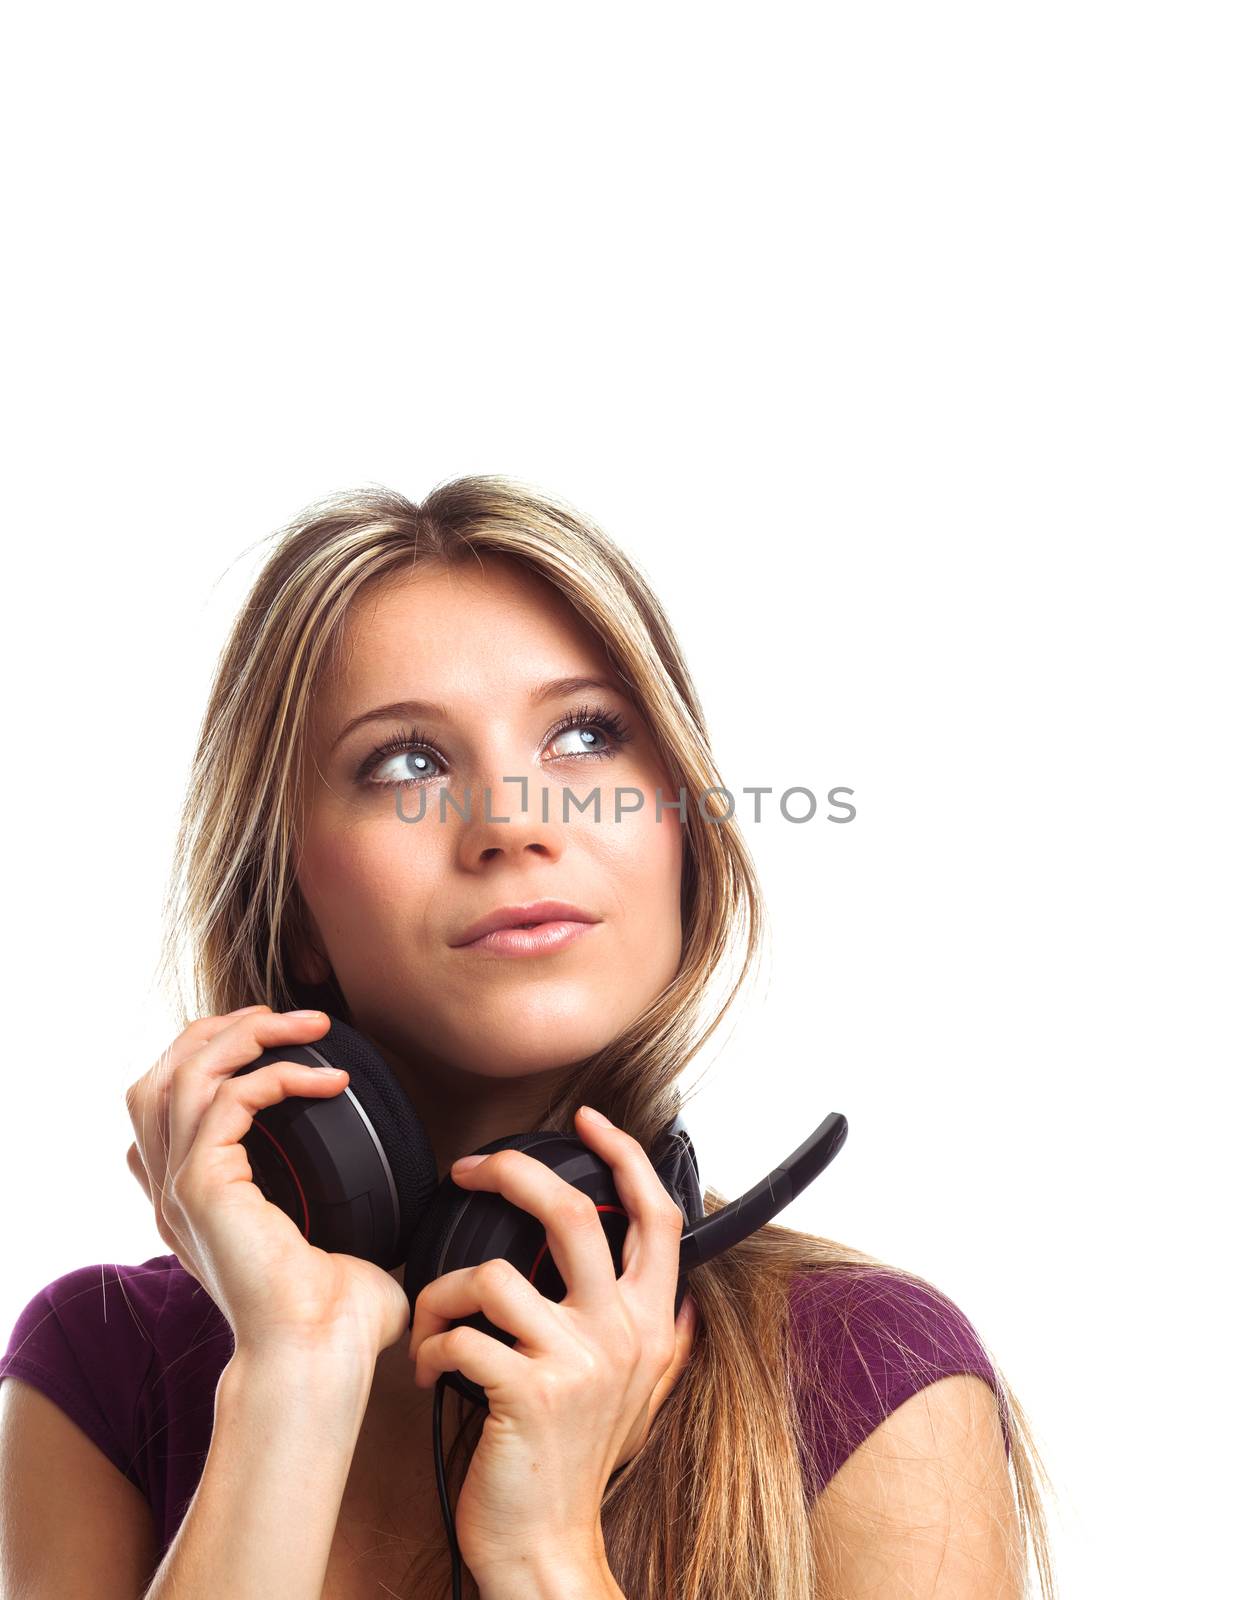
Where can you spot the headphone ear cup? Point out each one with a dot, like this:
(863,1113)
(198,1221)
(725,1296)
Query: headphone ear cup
(428,1239)
(463,1228)
(354,1170)
(404,1143)
(441,1217)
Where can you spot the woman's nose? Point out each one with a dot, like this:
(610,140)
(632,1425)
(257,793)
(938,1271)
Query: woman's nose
(518,820)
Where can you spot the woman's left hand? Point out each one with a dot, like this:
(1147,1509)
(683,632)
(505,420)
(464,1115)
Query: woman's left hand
(573,1400)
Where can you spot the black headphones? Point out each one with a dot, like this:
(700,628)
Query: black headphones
(357,1174)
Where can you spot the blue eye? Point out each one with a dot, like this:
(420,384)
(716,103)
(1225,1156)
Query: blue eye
(419,761)
(582,728)
(419,754)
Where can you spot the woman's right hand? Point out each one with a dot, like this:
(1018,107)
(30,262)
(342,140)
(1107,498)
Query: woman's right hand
(189,1113)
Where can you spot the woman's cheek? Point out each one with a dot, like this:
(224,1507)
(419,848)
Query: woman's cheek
(656,853)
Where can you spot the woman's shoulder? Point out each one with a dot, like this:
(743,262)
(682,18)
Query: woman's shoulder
(108,1304)
(865,1338)
(94,1338)
(104,1304)
(837,1307)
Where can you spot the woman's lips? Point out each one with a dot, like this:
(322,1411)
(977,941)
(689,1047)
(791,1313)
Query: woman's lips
(540,940)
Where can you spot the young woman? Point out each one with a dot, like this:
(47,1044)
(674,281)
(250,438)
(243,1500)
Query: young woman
(251,1416)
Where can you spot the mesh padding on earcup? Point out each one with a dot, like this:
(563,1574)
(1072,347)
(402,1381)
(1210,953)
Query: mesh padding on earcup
(393,1117)
(430,1235)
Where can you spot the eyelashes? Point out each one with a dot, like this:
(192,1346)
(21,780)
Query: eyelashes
(416,743)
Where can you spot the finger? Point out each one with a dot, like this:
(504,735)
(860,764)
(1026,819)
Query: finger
(193,1037)
(228,1118)
(475,1355)
(195,1084)
(650,1252)
(571,1221)
(499,1290)
(147,1099)
(196,1034)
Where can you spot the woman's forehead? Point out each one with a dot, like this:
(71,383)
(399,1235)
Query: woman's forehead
(429,607)
(452,636)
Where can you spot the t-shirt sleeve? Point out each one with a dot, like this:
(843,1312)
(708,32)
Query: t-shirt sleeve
(84,1340)
(866,1341)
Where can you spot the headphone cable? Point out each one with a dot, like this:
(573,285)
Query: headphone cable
(446,1513)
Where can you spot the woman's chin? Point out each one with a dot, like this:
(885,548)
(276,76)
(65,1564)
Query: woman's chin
(503,1060)
(508,1041)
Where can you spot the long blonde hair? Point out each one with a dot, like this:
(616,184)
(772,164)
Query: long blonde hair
(714,1506)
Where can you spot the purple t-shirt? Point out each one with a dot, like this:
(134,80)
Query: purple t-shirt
(133,1355)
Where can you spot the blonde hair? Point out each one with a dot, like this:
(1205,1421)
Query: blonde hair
(714,1506)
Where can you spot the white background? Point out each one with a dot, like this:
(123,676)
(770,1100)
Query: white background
(901,345)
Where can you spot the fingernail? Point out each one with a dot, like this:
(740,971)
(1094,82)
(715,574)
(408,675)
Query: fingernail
(595,1116)
(316,1014)
(463,1163)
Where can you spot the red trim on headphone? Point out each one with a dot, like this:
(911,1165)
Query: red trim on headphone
(531,1276)
(280,1150)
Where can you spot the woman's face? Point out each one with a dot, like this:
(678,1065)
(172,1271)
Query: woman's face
(390,898)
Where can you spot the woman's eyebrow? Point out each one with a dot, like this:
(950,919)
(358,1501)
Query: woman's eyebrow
(553,689)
